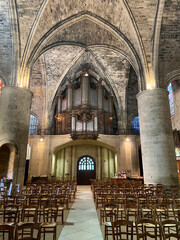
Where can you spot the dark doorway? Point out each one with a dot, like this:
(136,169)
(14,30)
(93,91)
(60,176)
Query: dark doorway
(26,171)
(4,160)
(140,162)
(86,170)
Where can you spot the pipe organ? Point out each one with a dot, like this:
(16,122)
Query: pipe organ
(85,109)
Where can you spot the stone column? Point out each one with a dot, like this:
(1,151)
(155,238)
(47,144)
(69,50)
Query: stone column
(157,144)
(15,106)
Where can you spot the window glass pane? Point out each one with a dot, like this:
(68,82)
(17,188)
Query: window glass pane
(33,126)
(86,163)
(135,129)
(171,100)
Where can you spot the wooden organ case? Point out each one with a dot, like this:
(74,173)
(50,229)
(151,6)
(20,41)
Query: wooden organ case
(85,109)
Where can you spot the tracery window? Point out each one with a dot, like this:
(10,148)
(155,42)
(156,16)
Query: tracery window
(135,129)
(86,163)
(33,126)
(171,100)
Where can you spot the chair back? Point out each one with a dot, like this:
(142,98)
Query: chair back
(50,214)
(122,229)
(146,228)
(170,229)
(29,213)
(28,231)
(110,212)
(11,213)
(7,230)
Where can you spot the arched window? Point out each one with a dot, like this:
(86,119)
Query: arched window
(86,163)
(171,100)
(33,126)
(135,129)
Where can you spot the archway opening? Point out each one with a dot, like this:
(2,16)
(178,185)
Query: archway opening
(86,170)
(7,157)
(4,156)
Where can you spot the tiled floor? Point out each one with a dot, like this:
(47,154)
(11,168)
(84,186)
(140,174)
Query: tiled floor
(82,222)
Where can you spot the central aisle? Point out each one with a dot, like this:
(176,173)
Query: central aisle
(82,222)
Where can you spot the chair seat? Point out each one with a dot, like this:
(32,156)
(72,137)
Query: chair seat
(21,223)
(60,208)
(146,224)
(146,210)
(160,210)
(120,209)
(48,224)
(8,223)
(169,225)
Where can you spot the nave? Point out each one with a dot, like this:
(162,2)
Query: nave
(82,222)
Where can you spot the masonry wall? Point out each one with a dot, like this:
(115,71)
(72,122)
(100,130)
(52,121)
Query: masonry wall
(58,155)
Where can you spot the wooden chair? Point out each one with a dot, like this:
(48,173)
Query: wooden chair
(11,213)
(60,205)
(110,215)
(29,213)
(28,231)
(49,221)
(146,228)
(6,231)
(43,202)
(170,229)
(146,211)
(122,229)
(161,212)
(131,212)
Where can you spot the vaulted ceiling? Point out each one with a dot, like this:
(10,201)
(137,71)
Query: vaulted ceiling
(108,35)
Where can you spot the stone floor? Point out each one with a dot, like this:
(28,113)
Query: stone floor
(82,221)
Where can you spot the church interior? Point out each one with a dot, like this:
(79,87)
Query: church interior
(89,96)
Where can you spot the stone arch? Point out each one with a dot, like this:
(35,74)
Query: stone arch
(85,170)
(105,163)
(44,43)
(9,158)
(172,76)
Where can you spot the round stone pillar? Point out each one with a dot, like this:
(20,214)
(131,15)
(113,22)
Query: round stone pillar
(15,106)
(157,144)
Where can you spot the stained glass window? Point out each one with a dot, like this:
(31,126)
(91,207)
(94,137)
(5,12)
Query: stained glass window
(171,101)
(33,126)
(135,129)
(86,163)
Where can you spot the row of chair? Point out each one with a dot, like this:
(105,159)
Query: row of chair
(145,229)
(42,209)
(21,231)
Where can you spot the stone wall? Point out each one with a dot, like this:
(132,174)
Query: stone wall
(6,62)
(169,48)
(62,149)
